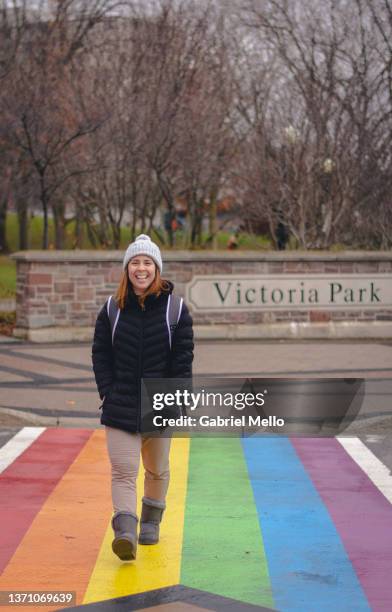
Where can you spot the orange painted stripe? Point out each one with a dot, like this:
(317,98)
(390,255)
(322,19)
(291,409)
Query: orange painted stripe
(28,481)
(60,549)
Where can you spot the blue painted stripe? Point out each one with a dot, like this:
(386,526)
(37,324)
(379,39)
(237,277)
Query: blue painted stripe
(308,565)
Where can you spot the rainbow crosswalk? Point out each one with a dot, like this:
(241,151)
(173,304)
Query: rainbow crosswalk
(292,524)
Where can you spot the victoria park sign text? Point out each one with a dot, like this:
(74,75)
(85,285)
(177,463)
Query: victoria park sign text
(290,291)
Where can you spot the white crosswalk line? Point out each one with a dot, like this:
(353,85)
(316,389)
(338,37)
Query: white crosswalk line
(378,473)
(15,447)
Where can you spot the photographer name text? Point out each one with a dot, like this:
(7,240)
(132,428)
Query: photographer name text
(218,421)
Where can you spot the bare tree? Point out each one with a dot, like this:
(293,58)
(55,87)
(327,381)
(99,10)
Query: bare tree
(322,127)
(39,101)
(13,21)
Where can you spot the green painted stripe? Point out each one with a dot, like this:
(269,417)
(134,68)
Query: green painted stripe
(223,549)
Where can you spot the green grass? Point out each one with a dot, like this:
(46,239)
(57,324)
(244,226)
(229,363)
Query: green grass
(35,234)
(7,277)
(245,241)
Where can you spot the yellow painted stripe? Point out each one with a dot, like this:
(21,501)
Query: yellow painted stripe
(155,566)
(60,549)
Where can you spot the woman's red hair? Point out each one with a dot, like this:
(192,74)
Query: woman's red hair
(158,285)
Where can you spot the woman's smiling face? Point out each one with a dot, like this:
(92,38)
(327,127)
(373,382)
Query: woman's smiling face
(141,272)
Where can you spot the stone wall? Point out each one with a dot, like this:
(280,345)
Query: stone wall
(60,292)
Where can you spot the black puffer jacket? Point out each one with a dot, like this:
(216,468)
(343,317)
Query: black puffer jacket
(140,350)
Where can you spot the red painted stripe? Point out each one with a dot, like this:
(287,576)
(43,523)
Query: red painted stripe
(361,513)
(27,482)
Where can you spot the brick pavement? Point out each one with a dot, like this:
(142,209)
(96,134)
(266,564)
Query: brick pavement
(53,384)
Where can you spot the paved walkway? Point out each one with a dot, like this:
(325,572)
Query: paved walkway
(54,384)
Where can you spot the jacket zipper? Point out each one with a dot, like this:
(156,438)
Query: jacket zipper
(140,360)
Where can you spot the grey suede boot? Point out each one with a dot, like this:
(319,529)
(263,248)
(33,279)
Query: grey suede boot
(125,540)
(152,511)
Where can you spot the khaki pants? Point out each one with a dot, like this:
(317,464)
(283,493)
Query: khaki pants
(124,450)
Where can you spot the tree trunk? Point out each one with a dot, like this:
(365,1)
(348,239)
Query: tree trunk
(91,235)
(116,232)
(59,225)
(200,230)
(44,202)
(134,221)
(192,216)
(167,197)
(78,238)
(45,235)
(3,227)
(171,212)
(189,226)
(212,221)
(150,223)
(23,224)
(6,193)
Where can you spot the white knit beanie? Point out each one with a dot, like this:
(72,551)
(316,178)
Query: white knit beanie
(143,245)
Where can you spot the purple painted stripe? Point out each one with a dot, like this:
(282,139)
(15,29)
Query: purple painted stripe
(361,513)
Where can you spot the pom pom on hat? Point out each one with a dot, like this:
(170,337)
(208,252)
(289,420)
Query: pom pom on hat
(143,245)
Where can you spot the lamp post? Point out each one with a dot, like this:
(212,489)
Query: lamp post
(326,207)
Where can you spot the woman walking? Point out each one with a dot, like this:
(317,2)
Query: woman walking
(133,340)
